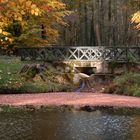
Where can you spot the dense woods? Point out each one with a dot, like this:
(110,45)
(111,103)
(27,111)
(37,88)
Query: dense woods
(101,22)
(85,23)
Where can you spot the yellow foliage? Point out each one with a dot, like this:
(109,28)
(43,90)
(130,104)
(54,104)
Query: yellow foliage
(136,19)
(5,33)
(22,12)
(30,15)
(33,6)
(0,31)
(11,40)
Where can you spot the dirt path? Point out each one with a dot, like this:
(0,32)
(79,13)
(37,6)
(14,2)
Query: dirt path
(76,99)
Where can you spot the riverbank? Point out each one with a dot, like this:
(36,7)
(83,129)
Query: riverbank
(69,99)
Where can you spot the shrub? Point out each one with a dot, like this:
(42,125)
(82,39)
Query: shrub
(127,84)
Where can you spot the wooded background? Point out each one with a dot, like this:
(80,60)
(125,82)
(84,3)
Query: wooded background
(100,23)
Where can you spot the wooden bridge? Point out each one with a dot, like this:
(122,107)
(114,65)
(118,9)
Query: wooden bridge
(92,53)
(94,58)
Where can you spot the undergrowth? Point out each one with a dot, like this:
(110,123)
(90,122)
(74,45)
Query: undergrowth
(127,84)
(12,82)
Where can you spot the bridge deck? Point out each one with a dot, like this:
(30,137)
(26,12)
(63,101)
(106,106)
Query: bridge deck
(81,53)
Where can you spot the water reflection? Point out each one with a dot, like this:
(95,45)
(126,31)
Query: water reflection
(69,126)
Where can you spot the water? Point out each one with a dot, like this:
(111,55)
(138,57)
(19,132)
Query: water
(69,126)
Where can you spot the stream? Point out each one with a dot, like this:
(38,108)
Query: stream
(69,126)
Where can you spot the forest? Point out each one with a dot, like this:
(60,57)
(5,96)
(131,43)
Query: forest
(69,23)
(100,23)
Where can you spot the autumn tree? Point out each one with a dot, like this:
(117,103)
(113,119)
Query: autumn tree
(135,4)
(136,20)
(30,22)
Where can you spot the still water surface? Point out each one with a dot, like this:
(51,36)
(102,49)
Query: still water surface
(69,126)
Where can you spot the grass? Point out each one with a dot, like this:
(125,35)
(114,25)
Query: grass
(9,69)
(12,82)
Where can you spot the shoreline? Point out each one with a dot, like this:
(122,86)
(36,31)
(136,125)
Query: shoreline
(68,108)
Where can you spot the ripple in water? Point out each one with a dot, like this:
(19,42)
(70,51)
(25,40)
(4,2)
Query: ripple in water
(69,126)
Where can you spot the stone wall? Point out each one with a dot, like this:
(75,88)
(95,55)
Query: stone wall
(98,66)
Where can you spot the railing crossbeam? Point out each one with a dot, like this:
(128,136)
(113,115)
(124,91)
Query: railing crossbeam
(81,53)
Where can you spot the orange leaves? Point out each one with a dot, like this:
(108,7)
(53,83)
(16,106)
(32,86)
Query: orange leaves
(28,3)
(22,1)
(46,8)
(3,1)
(1,8)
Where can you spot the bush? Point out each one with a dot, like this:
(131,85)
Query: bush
(127,84)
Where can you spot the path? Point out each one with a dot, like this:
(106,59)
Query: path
(75,99)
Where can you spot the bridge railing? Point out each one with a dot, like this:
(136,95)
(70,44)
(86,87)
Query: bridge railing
(80,53)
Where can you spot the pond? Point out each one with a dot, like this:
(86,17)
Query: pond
(69,126)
